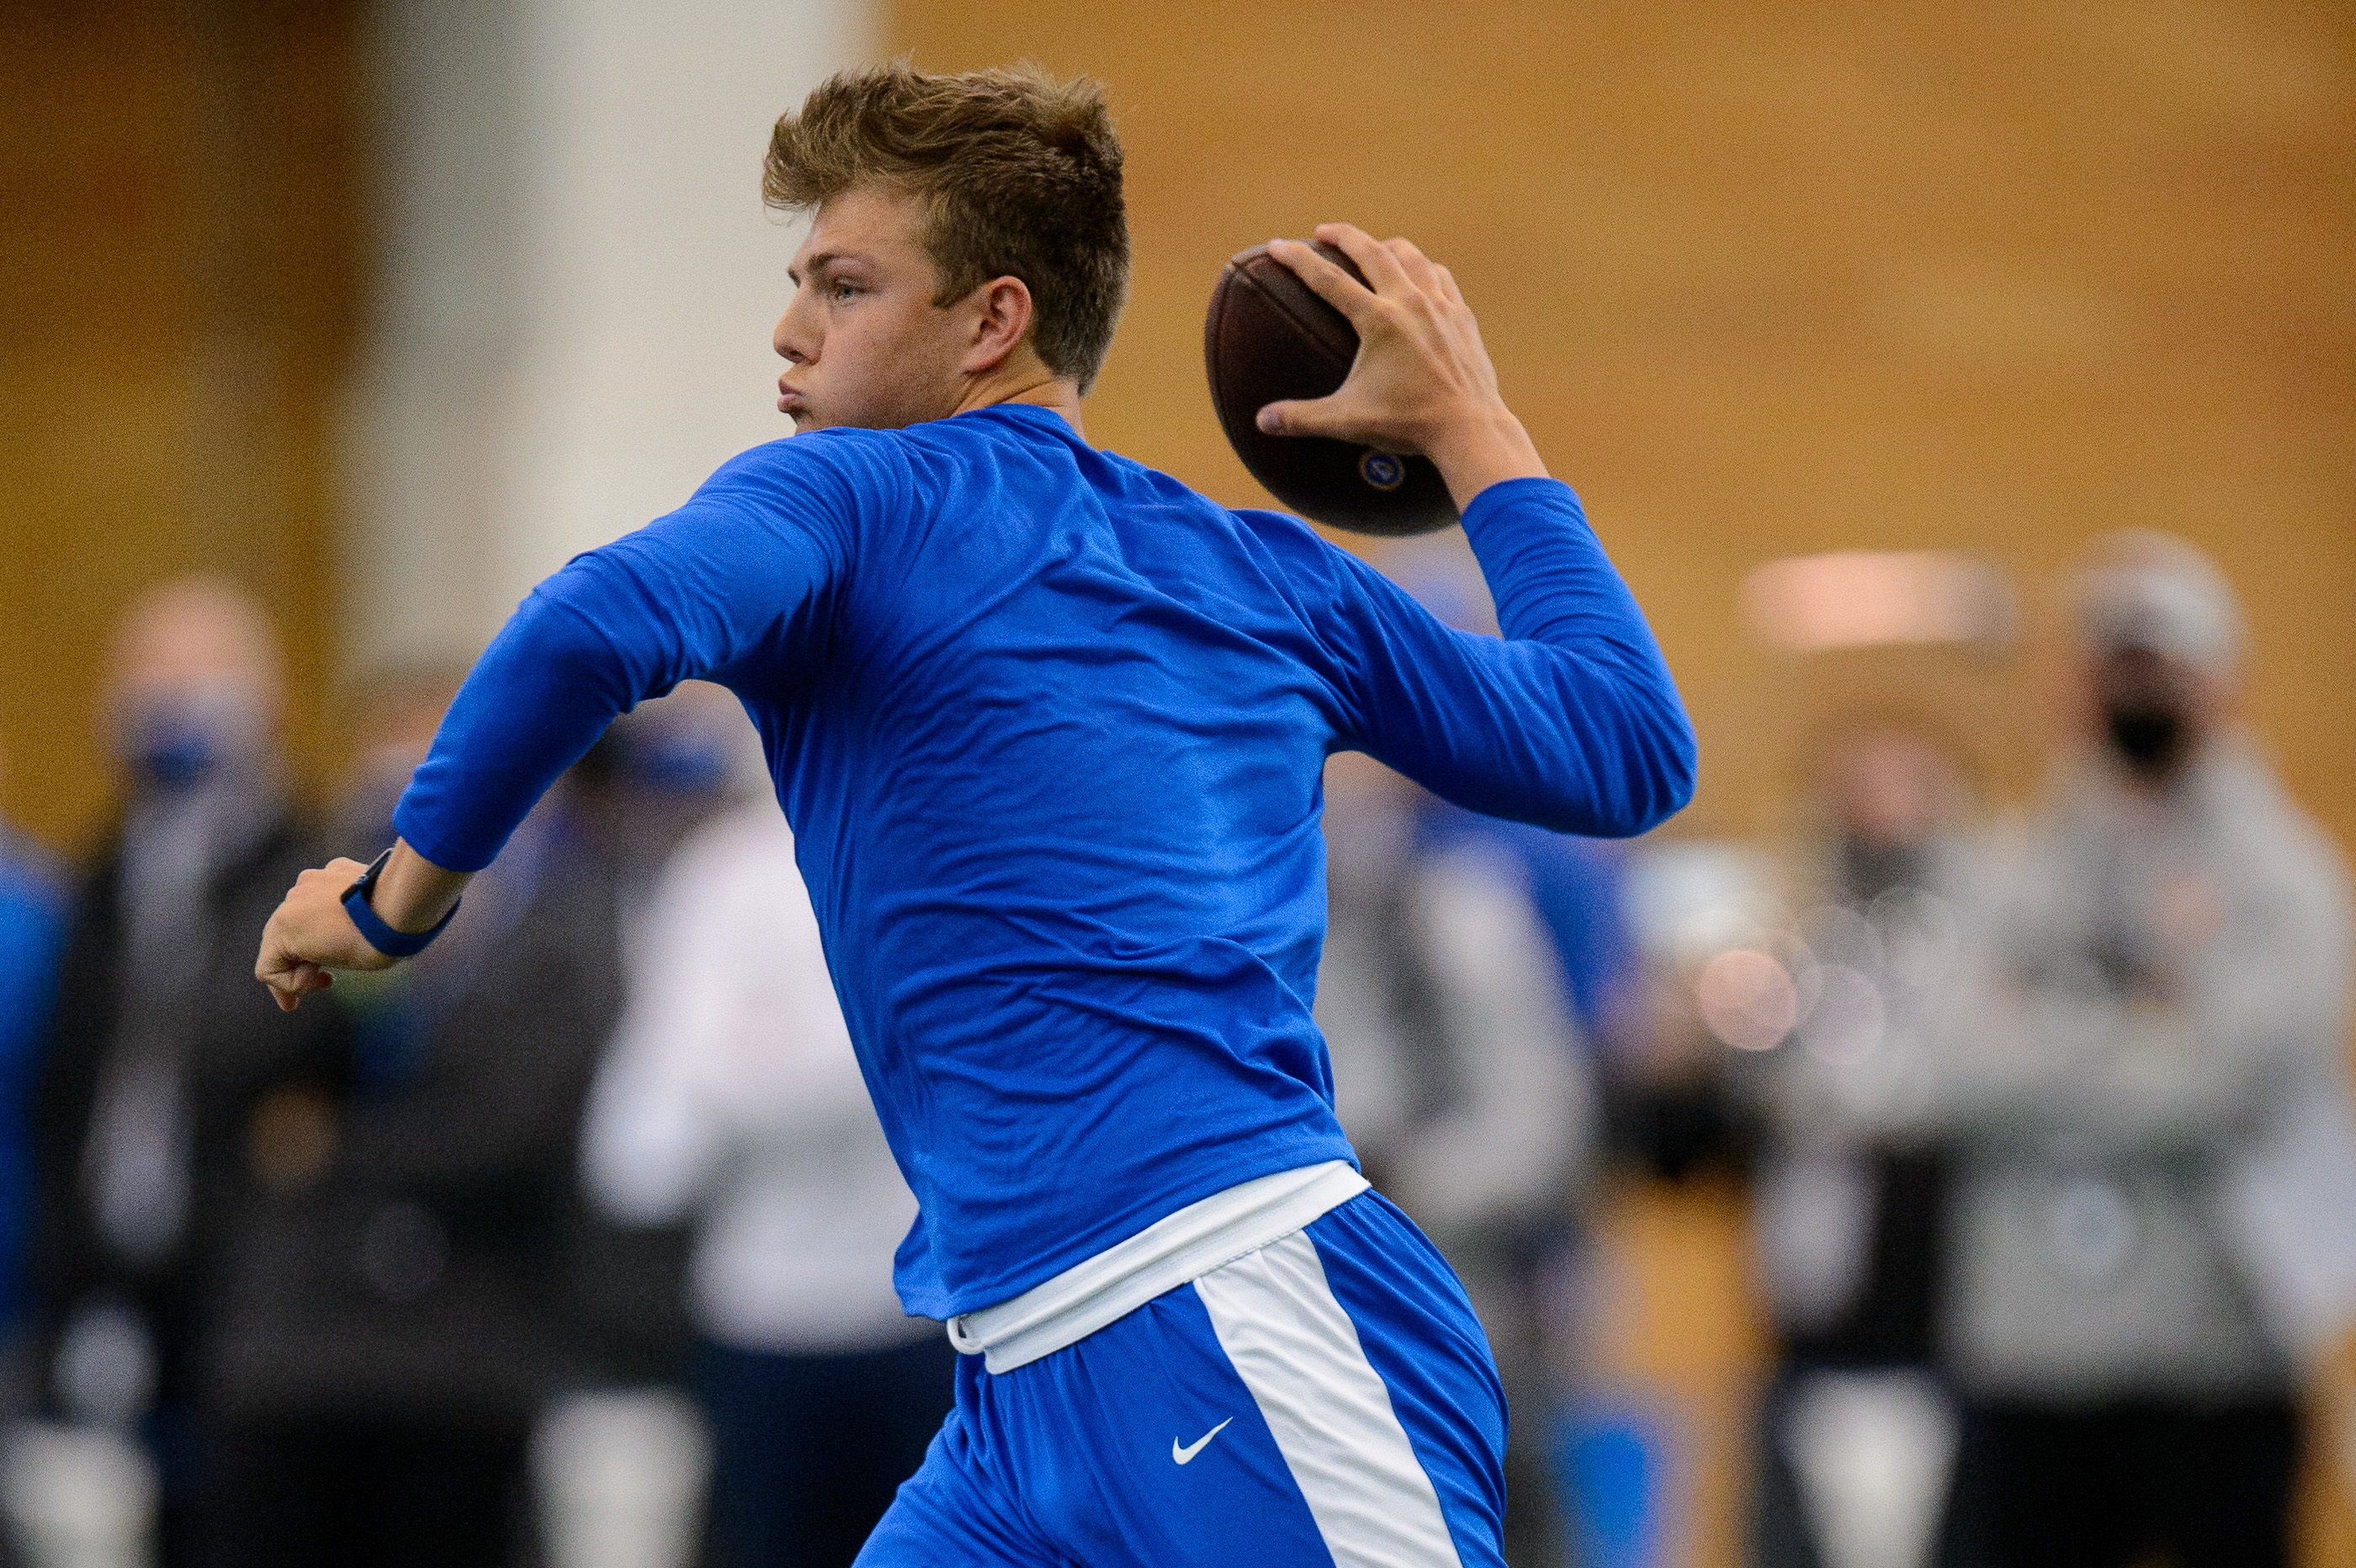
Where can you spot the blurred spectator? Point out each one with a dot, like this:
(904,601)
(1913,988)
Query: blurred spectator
(1673,1112)
(733,1095)
(2170,982)
(34,912)
(395,712)
(390,1315)
(675,762)
(1459,1077)
(621,1461)
(166,1089)
(1849,1204)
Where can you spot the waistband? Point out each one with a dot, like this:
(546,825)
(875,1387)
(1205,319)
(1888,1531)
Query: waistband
(1175,1250)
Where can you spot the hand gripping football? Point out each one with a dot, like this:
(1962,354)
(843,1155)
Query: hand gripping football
(1268,338)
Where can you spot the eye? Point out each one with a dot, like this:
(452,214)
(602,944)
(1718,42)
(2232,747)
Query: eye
(840,289)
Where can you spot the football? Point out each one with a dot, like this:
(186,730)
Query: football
(1268,338)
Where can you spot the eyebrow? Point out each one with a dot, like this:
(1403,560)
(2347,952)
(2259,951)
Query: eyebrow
(827,259)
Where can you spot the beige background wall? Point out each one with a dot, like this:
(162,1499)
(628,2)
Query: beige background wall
(1766,278)
(1763,280)
(179,281)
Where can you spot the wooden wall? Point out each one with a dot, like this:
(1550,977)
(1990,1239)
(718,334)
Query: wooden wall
(1766,278)
(1762,282)
(179,255)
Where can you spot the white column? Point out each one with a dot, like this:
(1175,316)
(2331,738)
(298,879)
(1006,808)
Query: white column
(576,287)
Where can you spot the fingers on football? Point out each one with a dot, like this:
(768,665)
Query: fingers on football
(1373,257)
(1417,268)
(1295,416)
(1331,284)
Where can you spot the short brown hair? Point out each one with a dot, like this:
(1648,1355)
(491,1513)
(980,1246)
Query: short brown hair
(1019,176)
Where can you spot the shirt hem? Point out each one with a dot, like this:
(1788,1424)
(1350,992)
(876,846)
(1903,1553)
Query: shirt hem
(1175,1250)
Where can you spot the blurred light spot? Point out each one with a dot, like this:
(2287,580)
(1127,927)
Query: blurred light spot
(1844,1019)
(1747,999)
(2092,1229)
(1919,933)
(1838,935)
(1690,901)
(1856,599)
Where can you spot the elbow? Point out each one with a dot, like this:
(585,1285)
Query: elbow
(1680,762)
(1660,764)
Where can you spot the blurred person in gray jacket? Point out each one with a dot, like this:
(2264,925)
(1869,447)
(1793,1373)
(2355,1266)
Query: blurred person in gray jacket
(2169,973)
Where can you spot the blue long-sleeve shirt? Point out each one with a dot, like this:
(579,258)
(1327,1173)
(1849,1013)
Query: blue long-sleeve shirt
(1050,730)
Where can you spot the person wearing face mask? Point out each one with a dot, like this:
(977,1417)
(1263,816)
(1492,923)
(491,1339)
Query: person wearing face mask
(2166,1002)
(169,1102)
(380,1336)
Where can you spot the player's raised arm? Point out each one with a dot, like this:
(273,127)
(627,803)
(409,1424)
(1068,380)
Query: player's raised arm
(1573,722)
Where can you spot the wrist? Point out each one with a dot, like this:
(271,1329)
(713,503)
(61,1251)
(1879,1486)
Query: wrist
(1482,447)
(403,940)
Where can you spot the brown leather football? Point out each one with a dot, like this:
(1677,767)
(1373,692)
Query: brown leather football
(1267,338)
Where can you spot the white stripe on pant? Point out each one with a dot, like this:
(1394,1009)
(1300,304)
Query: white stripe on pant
(1298,1353)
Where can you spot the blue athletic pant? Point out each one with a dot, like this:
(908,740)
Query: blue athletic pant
(1329,1398)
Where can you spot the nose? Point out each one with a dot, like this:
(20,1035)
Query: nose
(792,340)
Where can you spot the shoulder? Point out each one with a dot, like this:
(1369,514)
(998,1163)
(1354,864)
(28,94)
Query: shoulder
(1302,556)
(795,506)
(853,462)
(2273,839)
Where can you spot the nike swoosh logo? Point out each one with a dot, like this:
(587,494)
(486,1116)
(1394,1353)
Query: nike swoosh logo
(1186,1453)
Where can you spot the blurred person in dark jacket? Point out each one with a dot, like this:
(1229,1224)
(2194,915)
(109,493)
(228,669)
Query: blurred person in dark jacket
(392,1311)
(2168,988)
(622,1460)
(162,1082)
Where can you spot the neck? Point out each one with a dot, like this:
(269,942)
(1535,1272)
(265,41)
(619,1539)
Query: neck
(1032,383)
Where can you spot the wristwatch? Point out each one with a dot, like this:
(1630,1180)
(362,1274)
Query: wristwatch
(384,938)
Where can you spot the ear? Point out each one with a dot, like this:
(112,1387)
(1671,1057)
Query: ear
(1000,315)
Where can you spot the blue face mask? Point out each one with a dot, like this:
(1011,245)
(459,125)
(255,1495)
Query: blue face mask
(684,762)
(175,750)
(178,740)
